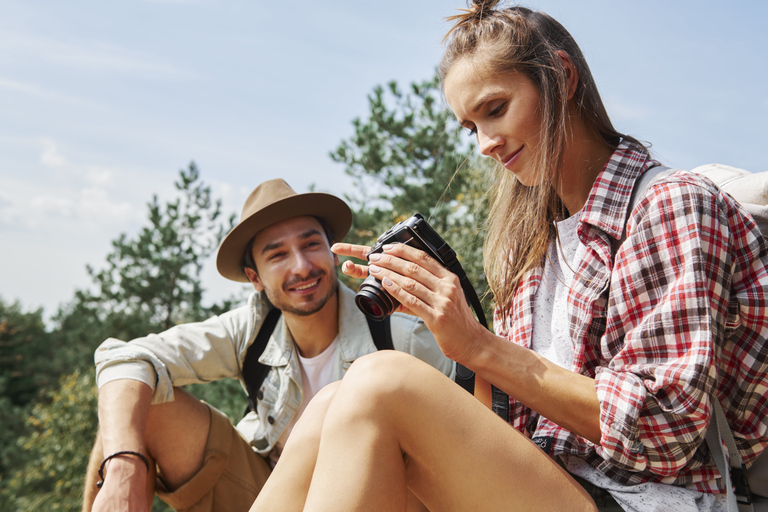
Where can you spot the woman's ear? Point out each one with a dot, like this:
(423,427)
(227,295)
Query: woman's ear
(571,75)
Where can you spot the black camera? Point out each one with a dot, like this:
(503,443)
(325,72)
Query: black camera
(371,298)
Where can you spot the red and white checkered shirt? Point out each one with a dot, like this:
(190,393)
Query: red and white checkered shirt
(678,312)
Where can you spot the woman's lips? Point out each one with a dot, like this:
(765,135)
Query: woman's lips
(511,159)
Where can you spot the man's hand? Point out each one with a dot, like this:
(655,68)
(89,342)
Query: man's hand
(124,488)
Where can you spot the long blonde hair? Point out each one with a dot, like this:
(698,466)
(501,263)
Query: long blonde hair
(516,39)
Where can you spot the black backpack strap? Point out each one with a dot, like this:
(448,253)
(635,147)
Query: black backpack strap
(255,372)
(381,333)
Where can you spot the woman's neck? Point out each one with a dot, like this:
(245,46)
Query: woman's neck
(585,156)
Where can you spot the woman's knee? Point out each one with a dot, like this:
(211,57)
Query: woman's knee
(381,380)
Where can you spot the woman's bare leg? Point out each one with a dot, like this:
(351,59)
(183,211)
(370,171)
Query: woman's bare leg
(297,462)
(396,423)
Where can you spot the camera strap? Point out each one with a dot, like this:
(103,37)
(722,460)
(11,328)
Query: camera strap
(464,376)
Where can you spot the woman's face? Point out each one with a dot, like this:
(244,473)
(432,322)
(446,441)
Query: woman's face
(502,110)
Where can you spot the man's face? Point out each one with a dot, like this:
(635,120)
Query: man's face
(296,268)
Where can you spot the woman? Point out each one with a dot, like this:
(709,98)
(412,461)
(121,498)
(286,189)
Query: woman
(620,337)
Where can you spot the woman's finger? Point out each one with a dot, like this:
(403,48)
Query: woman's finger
(355,251)
(354,270)
(416,256)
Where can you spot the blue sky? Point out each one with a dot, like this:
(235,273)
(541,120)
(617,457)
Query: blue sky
(101,103)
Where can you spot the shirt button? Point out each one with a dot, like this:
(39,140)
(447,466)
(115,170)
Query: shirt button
(260,395)
(271,420)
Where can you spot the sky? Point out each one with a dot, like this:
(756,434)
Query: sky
(101,104)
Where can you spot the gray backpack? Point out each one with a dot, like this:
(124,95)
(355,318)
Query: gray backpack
(747,488)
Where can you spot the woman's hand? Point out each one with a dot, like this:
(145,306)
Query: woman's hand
(355,251)
(424,288)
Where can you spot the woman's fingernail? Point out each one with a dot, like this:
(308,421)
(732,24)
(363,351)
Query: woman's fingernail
(387,247)
(387,281)
(374,257)
(373,269)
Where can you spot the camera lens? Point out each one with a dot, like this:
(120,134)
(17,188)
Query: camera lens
(373,300)
(370,308)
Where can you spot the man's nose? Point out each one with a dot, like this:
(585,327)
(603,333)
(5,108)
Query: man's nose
(301,265)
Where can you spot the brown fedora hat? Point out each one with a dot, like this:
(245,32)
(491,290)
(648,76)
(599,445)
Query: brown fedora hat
(271,202)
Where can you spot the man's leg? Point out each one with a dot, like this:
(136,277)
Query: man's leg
(175,439)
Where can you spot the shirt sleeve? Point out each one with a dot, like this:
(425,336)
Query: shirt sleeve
(671,294)
(410,334)
(185,354)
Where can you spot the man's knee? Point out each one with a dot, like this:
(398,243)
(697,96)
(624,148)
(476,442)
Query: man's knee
(176,436)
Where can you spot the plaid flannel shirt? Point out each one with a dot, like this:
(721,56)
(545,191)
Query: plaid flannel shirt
(678,312)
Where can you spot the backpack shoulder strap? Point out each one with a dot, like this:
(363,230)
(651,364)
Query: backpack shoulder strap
(638,191)
(381,332)
(254,372)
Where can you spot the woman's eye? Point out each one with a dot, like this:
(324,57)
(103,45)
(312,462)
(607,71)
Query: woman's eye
(472,131)
(497,111)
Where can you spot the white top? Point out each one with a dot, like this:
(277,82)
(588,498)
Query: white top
(552,339)
(316,373)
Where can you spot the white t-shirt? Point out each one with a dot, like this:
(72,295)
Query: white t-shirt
(316,373)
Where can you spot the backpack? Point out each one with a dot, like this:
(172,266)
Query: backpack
(748,486)
(254,372)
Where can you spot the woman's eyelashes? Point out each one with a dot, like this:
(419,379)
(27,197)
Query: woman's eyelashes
(498,110)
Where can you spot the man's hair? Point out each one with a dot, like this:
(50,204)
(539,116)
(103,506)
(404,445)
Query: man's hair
(248,261)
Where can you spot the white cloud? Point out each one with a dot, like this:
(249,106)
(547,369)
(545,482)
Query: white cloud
(94,55)
(40,92)
(51,157)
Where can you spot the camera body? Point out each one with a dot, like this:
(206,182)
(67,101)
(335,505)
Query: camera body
(371,298)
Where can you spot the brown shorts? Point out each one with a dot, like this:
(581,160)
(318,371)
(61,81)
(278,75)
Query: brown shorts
(231,477)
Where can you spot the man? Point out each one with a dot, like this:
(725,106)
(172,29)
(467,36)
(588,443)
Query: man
(155,437)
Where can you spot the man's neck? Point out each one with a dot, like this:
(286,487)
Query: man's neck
(314,333)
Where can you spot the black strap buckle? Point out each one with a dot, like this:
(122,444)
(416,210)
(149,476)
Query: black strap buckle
(741,486)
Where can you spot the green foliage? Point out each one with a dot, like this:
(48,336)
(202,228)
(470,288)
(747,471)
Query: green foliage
(403,158)
(226,395)
(26,366)
(57,445)
(408,157)
(153,280)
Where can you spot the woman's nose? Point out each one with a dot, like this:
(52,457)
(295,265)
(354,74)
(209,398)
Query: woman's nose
(487,144)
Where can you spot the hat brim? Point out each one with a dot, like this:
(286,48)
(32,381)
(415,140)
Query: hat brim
(330,208)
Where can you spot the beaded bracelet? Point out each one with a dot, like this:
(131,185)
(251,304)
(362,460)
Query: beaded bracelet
(116,454)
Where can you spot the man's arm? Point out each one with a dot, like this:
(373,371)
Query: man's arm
(123,412)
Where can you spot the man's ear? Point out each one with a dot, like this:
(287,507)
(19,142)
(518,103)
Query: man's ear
(253,277)
(571,75)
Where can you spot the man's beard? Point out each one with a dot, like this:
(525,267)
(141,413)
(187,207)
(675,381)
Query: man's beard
(311,308)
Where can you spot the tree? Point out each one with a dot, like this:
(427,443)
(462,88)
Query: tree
(26,366)
(407,157)
(156,276)
(151,282)
(59,434)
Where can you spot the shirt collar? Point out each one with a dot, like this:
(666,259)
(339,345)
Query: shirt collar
(608,201)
